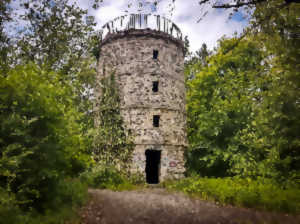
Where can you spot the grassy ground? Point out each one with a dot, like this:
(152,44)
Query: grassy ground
(262,194)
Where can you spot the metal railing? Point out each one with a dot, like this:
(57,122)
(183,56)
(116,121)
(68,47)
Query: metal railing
(141,21)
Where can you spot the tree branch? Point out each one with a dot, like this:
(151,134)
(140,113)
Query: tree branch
(237,5)
(241,4)
(203,1)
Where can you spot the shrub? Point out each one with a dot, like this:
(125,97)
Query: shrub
(108,177)
(9,211)
(71,194)
(41,144)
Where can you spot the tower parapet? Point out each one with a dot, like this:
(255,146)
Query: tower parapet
(141,22)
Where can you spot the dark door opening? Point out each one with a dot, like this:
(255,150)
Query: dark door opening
(152,166)
(155,54)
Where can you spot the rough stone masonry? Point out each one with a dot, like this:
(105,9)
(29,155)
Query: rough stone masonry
(148,66)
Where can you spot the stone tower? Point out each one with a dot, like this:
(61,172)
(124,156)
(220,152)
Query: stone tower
(148,63)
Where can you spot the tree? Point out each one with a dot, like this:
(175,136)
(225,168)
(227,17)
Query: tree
(5,16)
(269,138)
(243,3)
(45,107)
(196,62)
(58,35)
(219,107)
(243,112)
(280,109)
(41,141)
(276,19)
(203,54)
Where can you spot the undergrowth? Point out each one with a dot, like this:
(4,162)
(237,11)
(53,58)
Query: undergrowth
(71,194)
(103,177)
(262,194)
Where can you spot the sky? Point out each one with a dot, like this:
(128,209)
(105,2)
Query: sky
(185,14)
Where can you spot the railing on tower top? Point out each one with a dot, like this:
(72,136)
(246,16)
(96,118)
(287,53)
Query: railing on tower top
(141,21)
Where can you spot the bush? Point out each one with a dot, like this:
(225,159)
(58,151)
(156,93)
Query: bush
(71,194)
(108,177)
(9,211)
(41,144)
(262,193)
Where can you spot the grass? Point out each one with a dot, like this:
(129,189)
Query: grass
(263,194)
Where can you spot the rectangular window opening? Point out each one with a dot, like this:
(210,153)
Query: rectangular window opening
(155,54)
(155,86)
(156,120)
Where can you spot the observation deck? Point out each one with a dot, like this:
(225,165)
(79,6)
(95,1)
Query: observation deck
(157,24)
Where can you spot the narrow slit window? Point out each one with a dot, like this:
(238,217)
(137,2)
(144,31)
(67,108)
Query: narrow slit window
(156,120)
(155,86)
(155,54)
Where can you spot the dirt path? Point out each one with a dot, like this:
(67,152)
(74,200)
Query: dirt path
(160,207)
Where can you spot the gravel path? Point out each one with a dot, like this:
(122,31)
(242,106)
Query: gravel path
(158,206)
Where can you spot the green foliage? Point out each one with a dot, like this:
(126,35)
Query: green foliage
(262,193)
(108,177)
(45,111)
(243,115)
(270,137)
(278,117)
(58,35)
(9,211)
(40,140)
(113,143)
(72,193)
(5,43)
(219,106)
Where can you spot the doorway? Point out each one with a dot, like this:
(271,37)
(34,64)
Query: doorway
(152,166)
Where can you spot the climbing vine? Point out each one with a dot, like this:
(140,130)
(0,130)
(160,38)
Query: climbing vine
(113,142)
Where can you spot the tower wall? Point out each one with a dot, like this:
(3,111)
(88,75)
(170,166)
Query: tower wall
(129,54)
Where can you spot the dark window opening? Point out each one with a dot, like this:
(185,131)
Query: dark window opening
(156,120)
(152,166)
(155,54)
(155,86)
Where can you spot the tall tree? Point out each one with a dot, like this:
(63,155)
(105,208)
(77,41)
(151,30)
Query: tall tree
(219,106)
(196,62)
(5,16)
(58,35)
(41,141)
(243,112)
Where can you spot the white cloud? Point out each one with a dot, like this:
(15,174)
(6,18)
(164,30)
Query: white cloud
(185,15)
(212,27)
(108,12)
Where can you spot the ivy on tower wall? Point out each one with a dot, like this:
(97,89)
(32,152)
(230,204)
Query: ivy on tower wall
(113,143)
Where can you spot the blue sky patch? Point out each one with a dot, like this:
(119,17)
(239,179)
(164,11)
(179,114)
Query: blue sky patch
(237,16)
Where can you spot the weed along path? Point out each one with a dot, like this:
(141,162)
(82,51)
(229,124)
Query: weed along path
(157,206)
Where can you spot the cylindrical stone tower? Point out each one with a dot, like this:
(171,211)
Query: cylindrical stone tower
(148,65)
